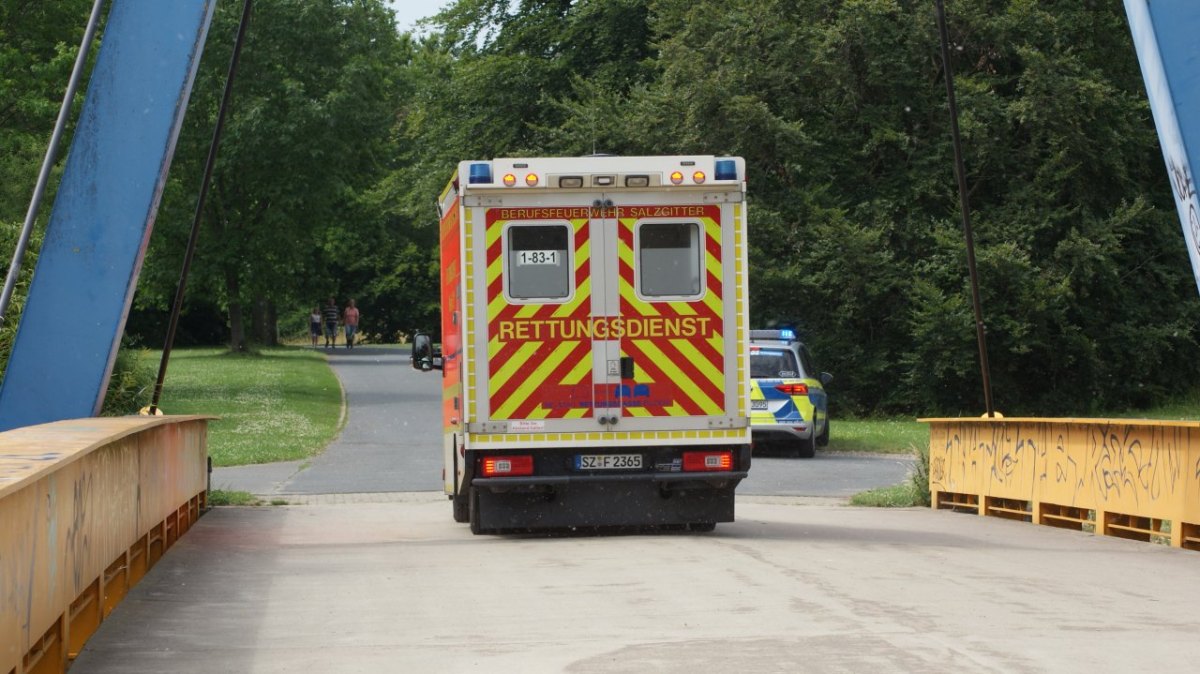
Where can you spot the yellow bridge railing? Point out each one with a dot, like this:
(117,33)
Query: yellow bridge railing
(1137,479)
(86,508)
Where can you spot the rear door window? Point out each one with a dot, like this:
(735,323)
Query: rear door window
(669,255)
(538,262)
(772,364)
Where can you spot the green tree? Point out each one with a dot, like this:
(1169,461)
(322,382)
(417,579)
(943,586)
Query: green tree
(315,96)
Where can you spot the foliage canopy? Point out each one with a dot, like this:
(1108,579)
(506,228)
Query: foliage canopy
(343,133)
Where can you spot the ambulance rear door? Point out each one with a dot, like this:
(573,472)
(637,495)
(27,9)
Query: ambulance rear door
(670,327)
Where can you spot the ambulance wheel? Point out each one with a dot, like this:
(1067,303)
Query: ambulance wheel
(823,438)
(805,448)
(473,515)
(462,508)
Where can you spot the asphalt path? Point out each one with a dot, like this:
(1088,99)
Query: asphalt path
(788,587)
(391,442)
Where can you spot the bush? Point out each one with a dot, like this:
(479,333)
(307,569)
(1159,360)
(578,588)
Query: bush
(131,385)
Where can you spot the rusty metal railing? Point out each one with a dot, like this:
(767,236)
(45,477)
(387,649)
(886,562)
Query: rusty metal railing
(1137,479)
(87,506)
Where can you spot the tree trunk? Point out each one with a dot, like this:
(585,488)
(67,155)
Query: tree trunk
(272,325)
(264,322)
(237,330)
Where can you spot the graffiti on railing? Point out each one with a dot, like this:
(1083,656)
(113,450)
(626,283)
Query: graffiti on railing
(1068,478)
(1137,463)
(1107,465)
(937,468)
(78,543)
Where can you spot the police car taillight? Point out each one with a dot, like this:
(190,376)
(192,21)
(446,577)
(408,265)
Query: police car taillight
(506,466)
(793,389)
(707,461)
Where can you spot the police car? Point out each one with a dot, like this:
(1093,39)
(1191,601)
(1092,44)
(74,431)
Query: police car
(788,404)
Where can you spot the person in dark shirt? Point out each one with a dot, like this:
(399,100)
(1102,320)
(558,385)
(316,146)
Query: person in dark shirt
(330,313)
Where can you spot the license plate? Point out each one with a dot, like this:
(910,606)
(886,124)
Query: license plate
(607,461)
(758,404)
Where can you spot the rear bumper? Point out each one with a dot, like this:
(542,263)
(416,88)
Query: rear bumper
(560,498)
(602,501)
(777,432)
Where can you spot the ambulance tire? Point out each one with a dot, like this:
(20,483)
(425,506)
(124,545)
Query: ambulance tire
(473,516)
(462,508)
(805,449)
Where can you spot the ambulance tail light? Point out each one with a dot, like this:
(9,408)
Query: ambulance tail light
(480,174)
(793,389)
(506,466)
(712,460)
(726,169)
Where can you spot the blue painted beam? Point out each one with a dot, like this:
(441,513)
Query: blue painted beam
(104,212)
(1165,36)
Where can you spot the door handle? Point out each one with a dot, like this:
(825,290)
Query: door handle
(627,367)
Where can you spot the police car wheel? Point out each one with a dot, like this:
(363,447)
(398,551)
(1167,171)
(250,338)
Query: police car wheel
(823,438)
(805,449)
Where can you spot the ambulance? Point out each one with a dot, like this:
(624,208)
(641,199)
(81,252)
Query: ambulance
(594,343)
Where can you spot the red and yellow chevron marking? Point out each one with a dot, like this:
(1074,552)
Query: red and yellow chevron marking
(539,358)
(540,362)
(683,375)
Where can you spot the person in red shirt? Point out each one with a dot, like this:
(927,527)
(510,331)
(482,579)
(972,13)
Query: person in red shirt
(350,319)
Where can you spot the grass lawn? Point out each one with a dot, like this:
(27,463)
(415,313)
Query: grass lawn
(274,405)
(878,436)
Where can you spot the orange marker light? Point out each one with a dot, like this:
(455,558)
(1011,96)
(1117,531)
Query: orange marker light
(531,180)
(509,180)
(698,177)
(676,177)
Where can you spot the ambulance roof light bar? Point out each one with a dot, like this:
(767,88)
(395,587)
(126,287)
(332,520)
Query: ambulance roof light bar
(783,335)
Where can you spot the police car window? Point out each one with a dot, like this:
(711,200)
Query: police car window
(538,262)
(806,360)
(772,364)
(669,256)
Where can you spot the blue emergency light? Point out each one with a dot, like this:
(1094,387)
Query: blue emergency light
(726,169)
(480,174)
(787,335)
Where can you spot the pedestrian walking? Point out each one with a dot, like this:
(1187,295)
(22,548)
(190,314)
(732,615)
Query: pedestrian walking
(350,320)
(330,314)
(314,324)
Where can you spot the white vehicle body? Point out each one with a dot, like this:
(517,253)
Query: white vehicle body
(594,341)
